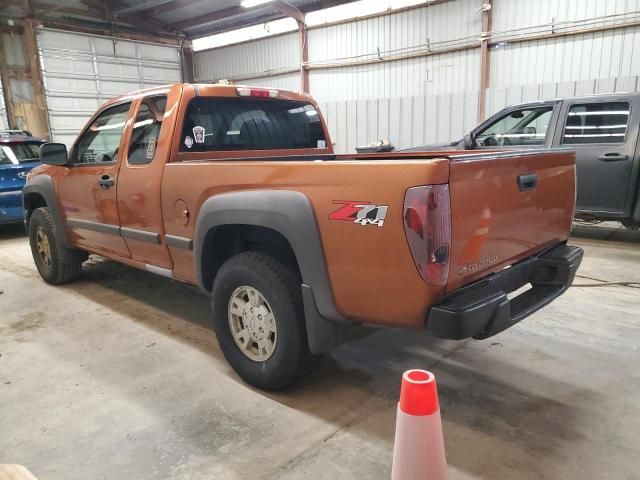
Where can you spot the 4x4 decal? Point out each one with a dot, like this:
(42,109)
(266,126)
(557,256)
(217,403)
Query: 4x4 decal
(363,213)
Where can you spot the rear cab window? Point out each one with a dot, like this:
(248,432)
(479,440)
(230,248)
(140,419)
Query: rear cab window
(596,123)
(235,124)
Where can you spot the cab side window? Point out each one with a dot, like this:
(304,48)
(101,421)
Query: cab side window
(522,127)
(146,130)
(596,123)
(101,141)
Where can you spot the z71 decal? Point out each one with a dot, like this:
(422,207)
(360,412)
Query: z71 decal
(360,212)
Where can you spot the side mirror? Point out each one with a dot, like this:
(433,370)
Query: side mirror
(469,141)
(55,154)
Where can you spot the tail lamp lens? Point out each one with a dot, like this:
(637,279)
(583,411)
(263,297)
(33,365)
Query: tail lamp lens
(427,225)
(256,92)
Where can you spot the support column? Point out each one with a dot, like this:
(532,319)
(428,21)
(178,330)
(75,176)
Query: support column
(40,100)
(22,79)
(304,57)
(485,38)
(186,58)
(291,11)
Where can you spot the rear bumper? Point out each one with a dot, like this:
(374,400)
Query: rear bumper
(482,309)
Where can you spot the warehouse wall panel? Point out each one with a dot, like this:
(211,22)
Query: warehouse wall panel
(580,57)
(407,32)
(81,72)
(446,73)
(519,14)
(410,30)
(272,54)
(405,122)
(288,81)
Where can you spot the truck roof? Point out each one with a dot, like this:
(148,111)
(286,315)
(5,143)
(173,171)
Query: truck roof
(577,97)
(18,136)
(209,90)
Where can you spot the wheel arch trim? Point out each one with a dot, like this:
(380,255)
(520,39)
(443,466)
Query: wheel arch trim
(43,185)
(287,212)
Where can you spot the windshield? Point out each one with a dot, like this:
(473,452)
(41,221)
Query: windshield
(14,153)
(527,126)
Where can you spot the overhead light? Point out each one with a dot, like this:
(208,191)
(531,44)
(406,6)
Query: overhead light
(252,3)
(254,32)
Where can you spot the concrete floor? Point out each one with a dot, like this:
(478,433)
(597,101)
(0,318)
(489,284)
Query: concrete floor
(119,376)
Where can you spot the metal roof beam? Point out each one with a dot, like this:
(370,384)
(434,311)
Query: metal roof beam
(208,18)
(142,6)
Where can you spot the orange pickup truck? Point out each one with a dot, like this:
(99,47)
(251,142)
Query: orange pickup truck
(238,190)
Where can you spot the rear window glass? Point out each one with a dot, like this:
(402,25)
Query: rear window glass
(20,152)
(596,123)
(223,124)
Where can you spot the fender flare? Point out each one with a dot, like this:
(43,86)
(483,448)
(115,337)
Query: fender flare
(43,186)
(289,213)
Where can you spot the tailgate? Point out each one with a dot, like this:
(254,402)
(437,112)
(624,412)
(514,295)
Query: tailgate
(506,207)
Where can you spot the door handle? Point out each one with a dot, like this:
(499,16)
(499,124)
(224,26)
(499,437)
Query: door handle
(529,182)
(613,157)
(106,181)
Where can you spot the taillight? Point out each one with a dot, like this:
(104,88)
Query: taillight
(427,224)
(256,92)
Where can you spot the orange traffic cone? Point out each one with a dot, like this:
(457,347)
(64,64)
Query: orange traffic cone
(471,252)
(418,452)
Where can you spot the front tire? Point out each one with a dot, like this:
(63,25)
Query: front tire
(259,320)
(56,264)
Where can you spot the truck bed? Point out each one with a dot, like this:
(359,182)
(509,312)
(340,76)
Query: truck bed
(494,224)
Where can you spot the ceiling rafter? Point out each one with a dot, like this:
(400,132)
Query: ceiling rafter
(154,16)
(209,18)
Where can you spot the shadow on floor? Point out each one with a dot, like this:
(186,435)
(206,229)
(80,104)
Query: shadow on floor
(608,231)
(363,377)
(11,231)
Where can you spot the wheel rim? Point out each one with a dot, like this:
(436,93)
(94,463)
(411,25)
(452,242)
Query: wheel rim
(252,323)
(44,248)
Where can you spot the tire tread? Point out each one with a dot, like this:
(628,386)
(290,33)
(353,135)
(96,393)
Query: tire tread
(67,265)
(289,282)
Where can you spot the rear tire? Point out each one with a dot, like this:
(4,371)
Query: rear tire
(259,320)
(56,264)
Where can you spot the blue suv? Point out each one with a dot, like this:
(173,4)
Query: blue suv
(19,153)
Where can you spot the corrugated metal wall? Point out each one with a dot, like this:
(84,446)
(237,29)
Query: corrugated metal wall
(580,57)
(412,32)
(80,72)
(406,121)
(517,14)
(287,81)
(433,96)
(250,59)
(451,73)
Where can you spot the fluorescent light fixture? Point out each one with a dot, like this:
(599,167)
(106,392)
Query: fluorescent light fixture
(347,11)
(252,3)
(244,34)
(353,10)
